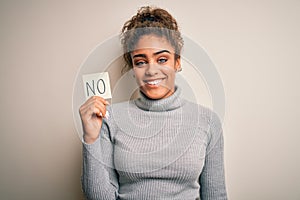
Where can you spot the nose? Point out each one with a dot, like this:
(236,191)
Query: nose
(152,70)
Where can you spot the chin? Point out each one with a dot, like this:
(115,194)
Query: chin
(158,93)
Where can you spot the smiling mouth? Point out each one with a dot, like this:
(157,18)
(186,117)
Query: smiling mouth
(154,82)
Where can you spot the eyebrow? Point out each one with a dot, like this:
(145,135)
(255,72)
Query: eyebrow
(156,53)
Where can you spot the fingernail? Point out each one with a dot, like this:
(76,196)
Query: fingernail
(107,115)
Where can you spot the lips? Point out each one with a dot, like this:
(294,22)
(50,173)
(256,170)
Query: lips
(154,82)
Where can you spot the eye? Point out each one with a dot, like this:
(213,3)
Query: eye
(140,63)
(162,60)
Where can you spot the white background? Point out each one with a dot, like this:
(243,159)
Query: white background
(255,46)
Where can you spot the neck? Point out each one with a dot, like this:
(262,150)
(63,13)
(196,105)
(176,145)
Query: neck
(170,102)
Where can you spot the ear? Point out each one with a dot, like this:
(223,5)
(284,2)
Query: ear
(178,64)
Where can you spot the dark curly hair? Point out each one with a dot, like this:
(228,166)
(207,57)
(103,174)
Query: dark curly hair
(149,20)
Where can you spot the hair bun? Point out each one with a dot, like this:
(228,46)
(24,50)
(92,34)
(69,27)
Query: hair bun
(148,17)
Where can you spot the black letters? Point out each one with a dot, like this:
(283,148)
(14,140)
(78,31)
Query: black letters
(92,89)
(103,86)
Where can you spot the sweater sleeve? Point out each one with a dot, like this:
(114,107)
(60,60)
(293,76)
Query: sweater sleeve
(99,178)
(212,178)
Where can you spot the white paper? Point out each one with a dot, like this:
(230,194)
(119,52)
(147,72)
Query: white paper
(97,85)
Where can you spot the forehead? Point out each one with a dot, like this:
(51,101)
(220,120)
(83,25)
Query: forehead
(152,43)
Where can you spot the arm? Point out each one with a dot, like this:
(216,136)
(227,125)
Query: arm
(99,179)
(212,178)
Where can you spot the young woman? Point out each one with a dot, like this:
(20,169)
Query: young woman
(159,146)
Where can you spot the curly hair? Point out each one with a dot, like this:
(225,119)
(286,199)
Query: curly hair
(147,21)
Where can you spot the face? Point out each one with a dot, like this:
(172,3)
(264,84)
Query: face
(154,66)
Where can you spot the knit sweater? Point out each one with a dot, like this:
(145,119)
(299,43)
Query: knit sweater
(165,149)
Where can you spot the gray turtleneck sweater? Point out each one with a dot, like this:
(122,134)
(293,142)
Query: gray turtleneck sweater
(156,149)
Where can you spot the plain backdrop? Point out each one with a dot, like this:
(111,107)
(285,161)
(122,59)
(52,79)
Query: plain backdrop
(255,46)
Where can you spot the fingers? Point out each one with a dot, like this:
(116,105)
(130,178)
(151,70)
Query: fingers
(94,105)
(98,99)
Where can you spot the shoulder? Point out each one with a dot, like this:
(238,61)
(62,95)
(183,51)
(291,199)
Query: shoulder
(209,123)
(206,113)
(208,119)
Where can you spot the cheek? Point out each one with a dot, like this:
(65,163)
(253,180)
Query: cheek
(138,75)
(169,71)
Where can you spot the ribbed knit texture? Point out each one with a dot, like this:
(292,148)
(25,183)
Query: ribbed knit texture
(156,149)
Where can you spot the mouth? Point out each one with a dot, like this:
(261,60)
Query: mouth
(154,82)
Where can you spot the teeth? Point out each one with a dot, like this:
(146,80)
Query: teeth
(155,82)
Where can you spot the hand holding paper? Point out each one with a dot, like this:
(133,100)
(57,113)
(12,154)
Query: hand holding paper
(97,89)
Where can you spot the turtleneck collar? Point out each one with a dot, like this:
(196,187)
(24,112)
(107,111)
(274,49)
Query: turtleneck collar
(170,103)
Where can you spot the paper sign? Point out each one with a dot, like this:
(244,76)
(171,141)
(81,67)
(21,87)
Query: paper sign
(97,85)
